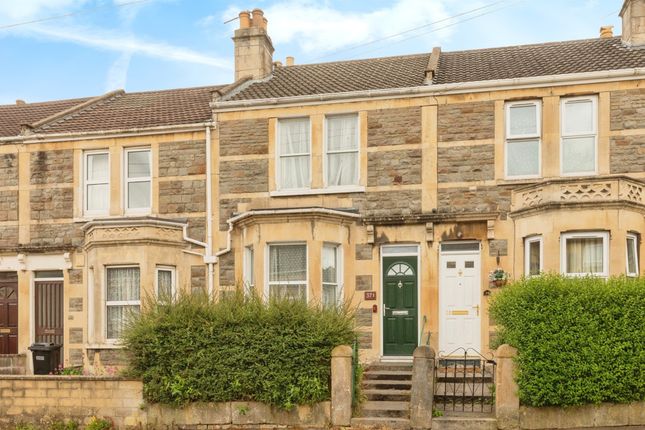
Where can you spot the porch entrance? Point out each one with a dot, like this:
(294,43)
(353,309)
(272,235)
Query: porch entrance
(400,304)
(459,298)
(49,312)
(8,313)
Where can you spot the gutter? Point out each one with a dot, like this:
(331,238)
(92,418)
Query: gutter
(442,89)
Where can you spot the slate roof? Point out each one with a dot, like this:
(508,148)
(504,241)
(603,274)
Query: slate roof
(12,116)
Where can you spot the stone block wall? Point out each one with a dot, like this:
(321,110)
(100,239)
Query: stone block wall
(51,203)
(466,163)
(627,109)
(627,153)
(9,205)
(244,137)
(182,158)
(466,121)
(475,199)
(248,176)
(400,126)
(8,170)
(52,167)
(394,167)
(182,196)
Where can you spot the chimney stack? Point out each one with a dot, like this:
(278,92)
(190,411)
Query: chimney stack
(253,47)
(606,31)
(633,16)
(290,61)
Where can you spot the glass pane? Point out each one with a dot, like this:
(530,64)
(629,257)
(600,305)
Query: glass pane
(97,167)
(138,195)
(341,132)
(329,296)
(400,249)
(584,255)
(469,265)
(465,246)
(294,172)
(98,197)
(534,258)
(451,265)
(288,263)
(139,164)
(117,316)
(297,292)
(248,267)
(523,120)
(523,158)
(164,283)
(48,274)
(342,169)
(329,262)
(294,136)
(123,284)
(578,155)
(578,117)
(632,267)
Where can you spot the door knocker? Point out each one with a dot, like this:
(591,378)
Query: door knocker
(400,285)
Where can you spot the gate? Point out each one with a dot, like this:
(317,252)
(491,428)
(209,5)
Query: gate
(464,381)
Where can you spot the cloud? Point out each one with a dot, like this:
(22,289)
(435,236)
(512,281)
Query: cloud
(118,73)
(317,27)
(29,9)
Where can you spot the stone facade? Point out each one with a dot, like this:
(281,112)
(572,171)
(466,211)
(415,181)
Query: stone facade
(466,163)
(627,153)
(182,158)
(391,203)
(394,168)
(364,252)
(479,199)
(364,282)
(627,109)
(182,196)
(9,236)
(76,304)
(8,170)
(400,126)
(52,167)
(8,205)
(51,203)
(244,137)
(228,207)
(227,269)
(364,317)
(58,235)
(244,176)
(466,121)
(75,335)
(75,276)
(197,279)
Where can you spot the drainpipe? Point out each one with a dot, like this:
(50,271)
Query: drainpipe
(209,258)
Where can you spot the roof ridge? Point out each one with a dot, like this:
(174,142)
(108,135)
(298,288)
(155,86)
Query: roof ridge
(76,108)
(201,87)
(530,45)
(359,60)
(42,103)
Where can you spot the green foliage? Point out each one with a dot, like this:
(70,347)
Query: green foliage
(25,426)
(579,340)
(238,349)
(63,425)
(97,423)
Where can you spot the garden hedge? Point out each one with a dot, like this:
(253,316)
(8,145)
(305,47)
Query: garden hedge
(579,340)
(238,349)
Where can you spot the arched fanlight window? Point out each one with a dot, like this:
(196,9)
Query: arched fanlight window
(400,269)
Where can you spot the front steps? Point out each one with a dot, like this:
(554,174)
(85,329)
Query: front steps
(468,421)
(13,364)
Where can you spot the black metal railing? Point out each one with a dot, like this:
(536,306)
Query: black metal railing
(464,381)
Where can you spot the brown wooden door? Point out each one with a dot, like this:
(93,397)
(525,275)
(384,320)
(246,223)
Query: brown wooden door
(8,313)
(49,312)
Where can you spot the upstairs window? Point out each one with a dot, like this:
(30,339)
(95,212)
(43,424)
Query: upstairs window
(331,291)
(137,180)
(523,132)
(341,147)
(294,154)
(632,255)
(288,271)
(578,153)
(96,182)
(585,253)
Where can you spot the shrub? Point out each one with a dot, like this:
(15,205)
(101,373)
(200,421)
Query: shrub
(239,348)
(579,340)
(96,423)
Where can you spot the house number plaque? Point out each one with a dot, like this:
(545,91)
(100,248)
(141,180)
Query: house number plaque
(370,295)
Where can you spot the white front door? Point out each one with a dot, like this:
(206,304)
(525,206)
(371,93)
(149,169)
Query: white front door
(459,298)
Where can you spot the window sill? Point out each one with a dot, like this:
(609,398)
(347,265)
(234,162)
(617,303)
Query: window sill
(88,218)
(314,191)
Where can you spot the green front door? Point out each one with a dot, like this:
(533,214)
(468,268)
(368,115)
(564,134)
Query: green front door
(400,324)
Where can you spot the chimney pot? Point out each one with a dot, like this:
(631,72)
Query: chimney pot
(258,18)
(277,64)
(290,61)
(245,21)
(20,102)
(606,31)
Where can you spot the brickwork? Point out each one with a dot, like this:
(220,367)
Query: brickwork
(627,153)
(394,167)
(51,203)
(227,207)
(364,282)
(8,205)
(394,126)
(56,234)
(466,163)
(75,335)
(250,176)
(227,269)
(76,304)
(182,158)
(365,339)
(75,276)
(52,167)
(182,196)
(482,199)
(244,137)
(8,170)
(197,229)
(466,121)
(627,109)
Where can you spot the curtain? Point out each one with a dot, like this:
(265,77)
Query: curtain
(329,276)
(632,267)
(288,271)
(294,153)
(534,258)
(122,286)
(164,284)
(342,150)
(585,255)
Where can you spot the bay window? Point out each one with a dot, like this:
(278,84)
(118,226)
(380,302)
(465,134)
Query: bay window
(585,253)
(288,271)
(331,275)
(578,151)
(341,147)
(632,255)
(96,182)
(249,262)
(123,298)
(294,154)
(523,146)
(138,179)
(166,282)
(533,256)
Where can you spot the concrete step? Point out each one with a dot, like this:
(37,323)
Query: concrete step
(12,371)
(388,375)
(385,409)
(386,384)
(404,367)
(463,423)
(391,395)
(380,423)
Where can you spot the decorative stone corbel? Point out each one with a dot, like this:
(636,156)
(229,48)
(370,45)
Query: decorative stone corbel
(490,225)
(68,260)
(21,261)
(429,232)
(370,234)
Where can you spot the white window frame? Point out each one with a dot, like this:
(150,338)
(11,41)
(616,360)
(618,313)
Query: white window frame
(634,238)
(509,138)
(278,156)
(87,183)
(127,180)
(527,254)
(594,134)
(248,267)
(267,269)
(327,152)
(173,279)
(604,235)
(118,302)
(339,272)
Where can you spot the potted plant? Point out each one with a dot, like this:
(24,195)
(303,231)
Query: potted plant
(497,278)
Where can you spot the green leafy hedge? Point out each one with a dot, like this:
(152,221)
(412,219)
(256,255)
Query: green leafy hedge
(579,340)
(237,349)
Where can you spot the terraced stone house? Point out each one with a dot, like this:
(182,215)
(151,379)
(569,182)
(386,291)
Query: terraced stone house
(397,183)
